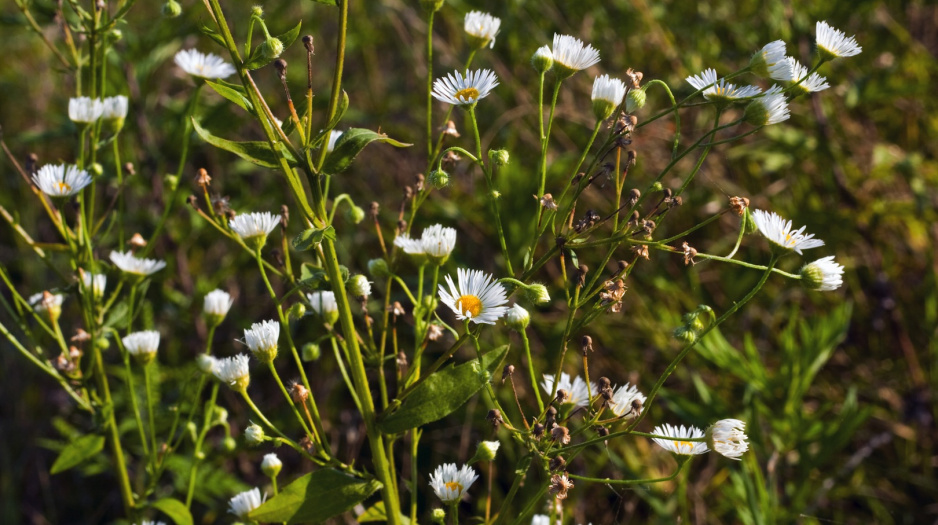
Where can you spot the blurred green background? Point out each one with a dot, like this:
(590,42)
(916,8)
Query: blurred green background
(838,388)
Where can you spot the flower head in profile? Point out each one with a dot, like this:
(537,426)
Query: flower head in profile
(728,438)
(142,345)
(95,282)
(517,318)
(778,231)
(215,306)
(477,296)
(63,180)
(323,303)
(677,446)
(543,59)
(570,55)
(770,108)
(271,465)
(242,504)
(48,304)
(719,90)
(262,340)
(803,82)
(771,61)
(450,484)
(833,43)
(823,275)
(200,65)
(627,401)
(438,242)
(462,90)
(114,108)
(481,28)
(127,263)
(233,371)
(85,110)
(607,95)
(254,227)
(578,393)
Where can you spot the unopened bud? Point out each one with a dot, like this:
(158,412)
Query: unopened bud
(635,100)
(431,6)
(378,268)
(756,114)
(438,179)
(685,334)
(311,352)
(172,9)
(254,435)
(356,214)
(517,318)
(271,465)
(272,48)
(438,515)
(543,59)
(296,312)
(229,444)
(499,157)
(537,294)
(359,286)
(486,451)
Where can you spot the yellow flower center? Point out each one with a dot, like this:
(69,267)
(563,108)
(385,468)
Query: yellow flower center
(469,93)
(469,304)
(684,444)
(454,485)
(63,187)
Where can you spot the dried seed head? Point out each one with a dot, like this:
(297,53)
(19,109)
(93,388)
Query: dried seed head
(373,209)
(649,226)
(408,192)
(641,250)
(547,202)
(507,371)
(581,275)
(203,179)
(435,332)
(401,360)
(495,417)
(299,393)
(551,417)
(557,463)
(604,383)
(634,195)
(450,130)
(193,202)
(308,42)
(419,185)
(586,344)
(636,407)
(560,434)
(559,485)
(739,205)
(689,254)
(137,241)
(562,396)
(284,216)
(396,309)
(623,265)
(537,430)
(602,431)
(281,66)
(80,336)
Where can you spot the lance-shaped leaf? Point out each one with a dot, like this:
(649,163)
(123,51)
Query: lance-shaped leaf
(315,497)
(443,392)
(77,452)
(232,92)
(258,59)
(175,509)
(350,144)
(254,151)
(312,238)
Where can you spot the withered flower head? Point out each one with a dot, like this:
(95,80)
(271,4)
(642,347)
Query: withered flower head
(450,129)
(203,179)
(559,485)
(495,417)
(547,202)
(586,344)
(80,336)
(689,254)
(560,434)
(299,393)
(137,241)
(562,395)
(739,205)
(435,332)
(396,309)
(507,371)
(641,250)
(537,430)
(635,77)
(558,463)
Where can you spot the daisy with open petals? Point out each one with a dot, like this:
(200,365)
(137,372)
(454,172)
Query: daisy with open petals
(63,180)
(462,90)
(477,297)
(254,227)
(233,371)
(578,393)
(450,484)
(210,66)
(242,504)
(679,446)
(833,43)
(481,28)
(719,90)
(85,110)
(803,82)
(778,231)
(132,265)
(570,55)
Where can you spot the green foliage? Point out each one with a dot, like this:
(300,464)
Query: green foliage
(350,144)
(316,497)
(77,451)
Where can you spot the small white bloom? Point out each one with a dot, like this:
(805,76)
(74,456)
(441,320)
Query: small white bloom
(323,303)
(576,389)
(487,450)
(114,107)
(478,297)
(203,66)
(255,225)
(63,180)
(333,138)
(262,340)
(770,108)
(683,448)
(438,242)
(242,504)
(718,89)
(823,274)
(217,303)
(127,263)
(359,286)
(410,246)
(728,438)
(771,61)
(85,109)
(542,519)
(482,27)
(806,83)
(450,483)
(206,363)
(607,95)
(96,282)
(622,400)
(233,371)
(778,231)
(462,90)
(271,465)
(254,434)
(572,55)
(47,303)
(148,522)
(835,43)
(142,345)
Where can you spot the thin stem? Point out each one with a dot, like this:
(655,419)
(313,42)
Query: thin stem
(430,87)
(608,481)
(531,372)
(150,410)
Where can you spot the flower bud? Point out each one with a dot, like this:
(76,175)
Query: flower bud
(272,49)
(116,35)
(543,59)
(635,100)
(685,334)
(103,343)
(254,435)
(296,312)
(378,268)
(219,415)
(172,9)
(257,11)
(311,352)
(170,182)
(271,465)
(748,224)
(517,318)
(657,186)
(487,450)
(193,430)
(438,179)
(359,286)
(499,157)
(693,322)
(229,444)
(206,363)
(96,169)
(537,294)
(438,516)
(356,214)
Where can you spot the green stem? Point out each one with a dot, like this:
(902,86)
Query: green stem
(531,372)
(608,481)
(206,420)
(430,87)
(127,495)
(150,410)
(491,187)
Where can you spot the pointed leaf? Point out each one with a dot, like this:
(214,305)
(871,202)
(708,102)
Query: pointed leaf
(350,144)
(315,497)
(257,152)
(175,509)
(214,35)
(312,237)
(442,393)
(77,452)
(232,92)
(339,111)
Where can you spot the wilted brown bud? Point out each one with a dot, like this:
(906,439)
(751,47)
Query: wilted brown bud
(604,383)
(560,434)
(80,336)
(577,178)
(129,168)
(641,250)
(557,463)
(551,417)
(581,275)
(74,353)
(401,360)
(281,66)
(450,129)
(631,158)
(537,430)
(373,209)
(635,77)
(739,205)
(396,309)
(634,195)
(547,202)
(495,417)
(676,201)
(299,393)
(649,226)
(408,193)
(203,179)
(636,407)
(623,265)
(420,182)
(602,431)
(32,163)
(137,241)
(193,202)
(507,371)
(562,396)
(689,254)
(668,192)
(308,42)
(586,344)
(435,332)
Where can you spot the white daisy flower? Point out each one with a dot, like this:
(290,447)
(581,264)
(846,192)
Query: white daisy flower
(262,340)
(770,108)
(683,448)
(85,109)
(823,275)
(142,345)
(622,400)
(481,28)
(438,242)
(203,66)
(571,55)
(806,83)
(254,226)
(233,371)
(719,90)
(242,504)
(410,246)
(333,138)
(96,282)
(450,483)
(63,180)
(114,107)
(576,389)
(542,519)
(607,95)
(271,465)
(832,43)
(778,231)
(216,305)
(127,263)
(478,297)
(324,305)
(771,61)
(460,91)
(728,438)
(48,304)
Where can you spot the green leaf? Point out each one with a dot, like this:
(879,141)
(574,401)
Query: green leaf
(232,92)
(312,237)
(350,144)
(175,509)
(327,2)
(77,451)
(118,316)
(258,60)
(339,112)
(214,35)
(315,497)
(257,152)
(442,393)
(377,513)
